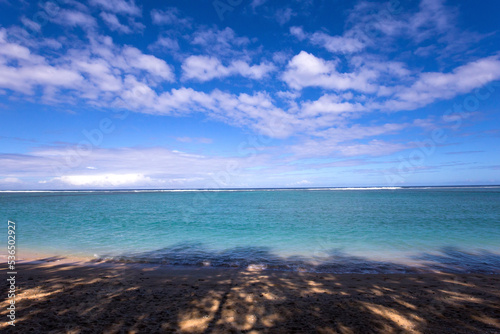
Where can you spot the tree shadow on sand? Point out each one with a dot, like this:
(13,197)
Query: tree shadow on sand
(454,260)
(448,259)
(105,297)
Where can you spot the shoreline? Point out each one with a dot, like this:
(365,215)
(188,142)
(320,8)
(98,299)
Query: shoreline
(382,266)
(64,296)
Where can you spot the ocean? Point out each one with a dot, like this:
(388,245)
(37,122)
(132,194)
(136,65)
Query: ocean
(341,230)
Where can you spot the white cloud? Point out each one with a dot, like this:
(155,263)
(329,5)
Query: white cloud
(31,25)
(153,167)
(7,180)
(432,19)
(114,24)
(165,43)
(204,68)
(330,104)
(221,43)
(105,180)
(334,44)
(23,79)
(432,86)
(306,70)
(257,3)
(99,73)
(73,18)
(160,167)
(90,72)
(396,87)
(344,141)
(254,72)
(283,15)
(337,44)
(118,6)
(12,50)
(378,25)
(170,16)
(298,32)
(394,71)
(256,111)
(51,43)
(105,74)
(110,69)
(333,148)
(155,66)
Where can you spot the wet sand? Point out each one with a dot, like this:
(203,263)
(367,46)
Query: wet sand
(57,296)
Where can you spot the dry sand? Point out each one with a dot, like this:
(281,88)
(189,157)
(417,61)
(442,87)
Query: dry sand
(66,297)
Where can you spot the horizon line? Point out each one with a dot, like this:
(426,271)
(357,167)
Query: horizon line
(249,188)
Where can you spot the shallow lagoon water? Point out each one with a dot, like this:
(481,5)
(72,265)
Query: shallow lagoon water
(329,229)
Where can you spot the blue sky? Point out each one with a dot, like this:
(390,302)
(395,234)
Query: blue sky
(229,93)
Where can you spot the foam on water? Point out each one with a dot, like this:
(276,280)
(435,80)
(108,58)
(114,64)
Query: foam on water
(248,189)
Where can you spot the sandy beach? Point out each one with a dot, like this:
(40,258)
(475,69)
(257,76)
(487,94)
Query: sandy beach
(65,296)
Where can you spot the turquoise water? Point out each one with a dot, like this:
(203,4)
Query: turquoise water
(336,230)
